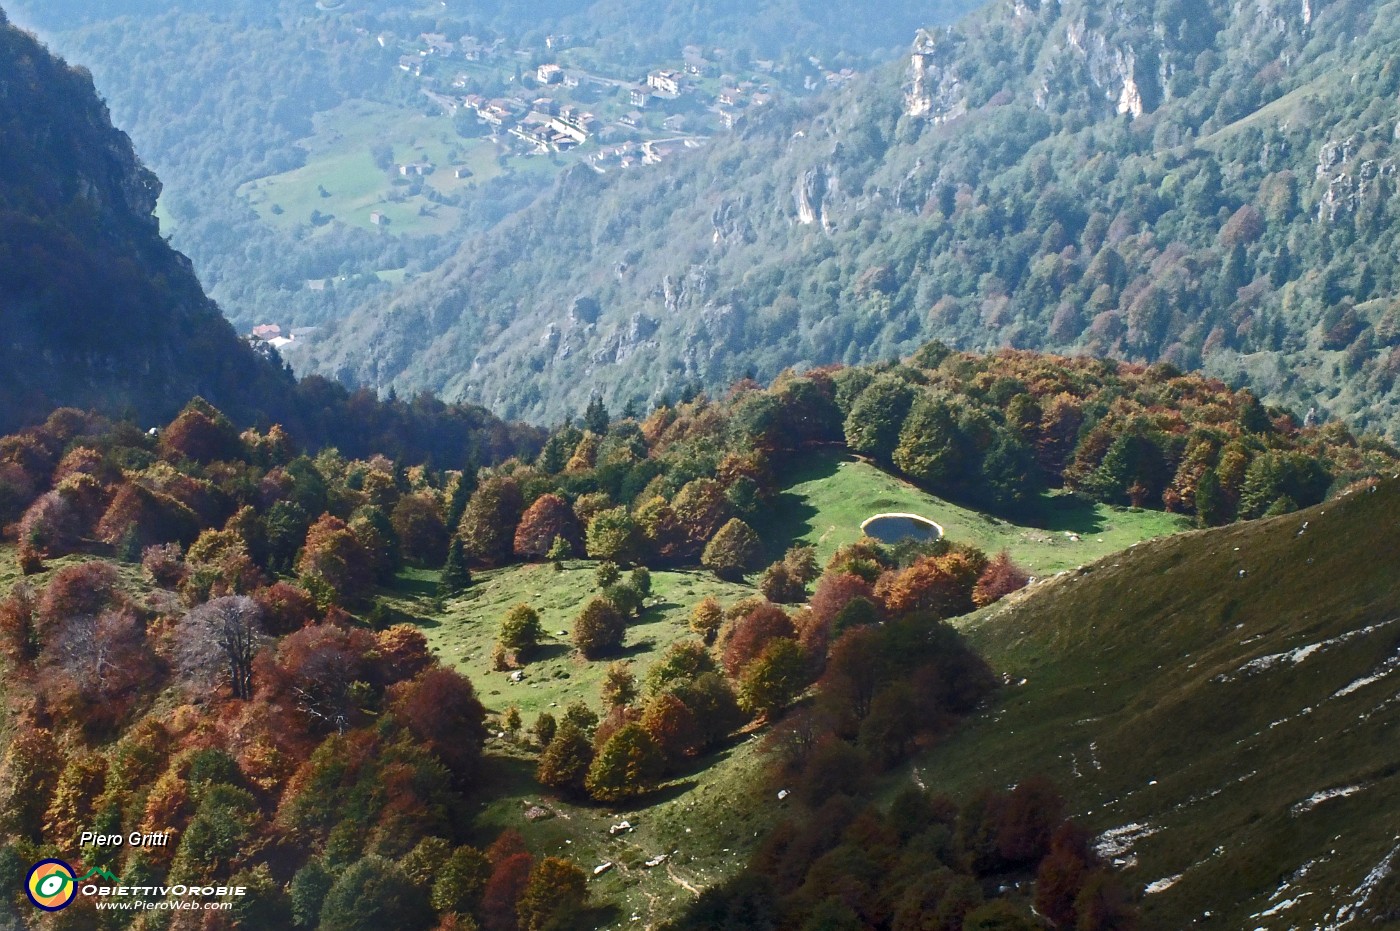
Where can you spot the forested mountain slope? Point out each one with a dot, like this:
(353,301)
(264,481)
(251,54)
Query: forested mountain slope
(96,309)
(219,96)
(772,27)
(1197,181)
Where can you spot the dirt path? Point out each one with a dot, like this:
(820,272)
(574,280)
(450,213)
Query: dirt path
(671,872)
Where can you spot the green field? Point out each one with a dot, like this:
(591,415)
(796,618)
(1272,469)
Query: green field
(705,820)
(339,159)
(835,492)
(465,634)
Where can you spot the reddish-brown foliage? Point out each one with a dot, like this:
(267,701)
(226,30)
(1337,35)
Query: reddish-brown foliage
(673,726)
(165,565)
(834,591)
(855,670)
(751,633)
(1061,874)
(549,517)
(313,670)
(86,589)
(285,607)
(404,652)
(50,527)
(999,579)
(334,560)
(701,509)
(94,666)
(509,875)
(1032,811)
(508,843)
(17,611)
(440,708)
(200,433)
(156,517)
(939,584)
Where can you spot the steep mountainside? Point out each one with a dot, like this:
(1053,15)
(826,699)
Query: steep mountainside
(96,309)
(1222,708)
(1200,181)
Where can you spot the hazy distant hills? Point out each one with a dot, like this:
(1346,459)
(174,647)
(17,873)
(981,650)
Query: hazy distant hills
(96,309)
(1193,181)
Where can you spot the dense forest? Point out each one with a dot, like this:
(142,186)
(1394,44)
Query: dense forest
(207,648)
(1188,182)
(201,641)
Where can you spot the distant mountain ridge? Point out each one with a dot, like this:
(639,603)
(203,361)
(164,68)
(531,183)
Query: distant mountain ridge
(96,309)
(1188,181)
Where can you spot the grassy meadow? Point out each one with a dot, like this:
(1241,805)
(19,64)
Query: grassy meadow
(834,492)
(339,159)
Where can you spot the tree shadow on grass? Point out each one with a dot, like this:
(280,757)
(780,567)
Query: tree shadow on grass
(598,916)
(413,586)
(630,650)
(789,518)
(548,651)
(1063,513)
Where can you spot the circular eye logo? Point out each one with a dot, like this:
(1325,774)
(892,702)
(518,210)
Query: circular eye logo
(51,885)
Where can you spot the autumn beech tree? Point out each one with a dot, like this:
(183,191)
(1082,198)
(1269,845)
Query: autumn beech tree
(773,679)
(218,641)
(334,566)
(599,628)
(554,895)
(520,632)
(489,522)
(612,535)
(706,618)
(200,433)
(417,520)
(566,758)
(732,551)
(999,579)
(752,632)
(941,584)
(439,706)
(629,764)
(548,519)
(701,510)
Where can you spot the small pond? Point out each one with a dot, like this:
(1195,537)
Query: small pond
(892,528)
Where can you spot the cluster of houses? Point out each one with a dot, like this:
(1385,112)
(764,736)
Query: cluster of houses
(270,334)
(539,123)
(543,124)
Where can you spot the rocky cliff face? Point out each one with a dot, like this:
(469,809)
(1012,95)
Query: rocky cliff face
(96,309)
(1122,57)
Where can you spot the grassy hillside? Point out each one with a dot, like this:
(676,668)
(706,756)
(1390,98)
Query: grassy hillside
(705,821)
(1221,706)
(834,492)
(466,633)
(708,819)
(339,161)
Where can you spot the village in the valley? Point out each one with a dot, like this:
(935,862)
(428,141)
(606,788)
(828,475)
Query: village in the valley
(502,108)
(546,100)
